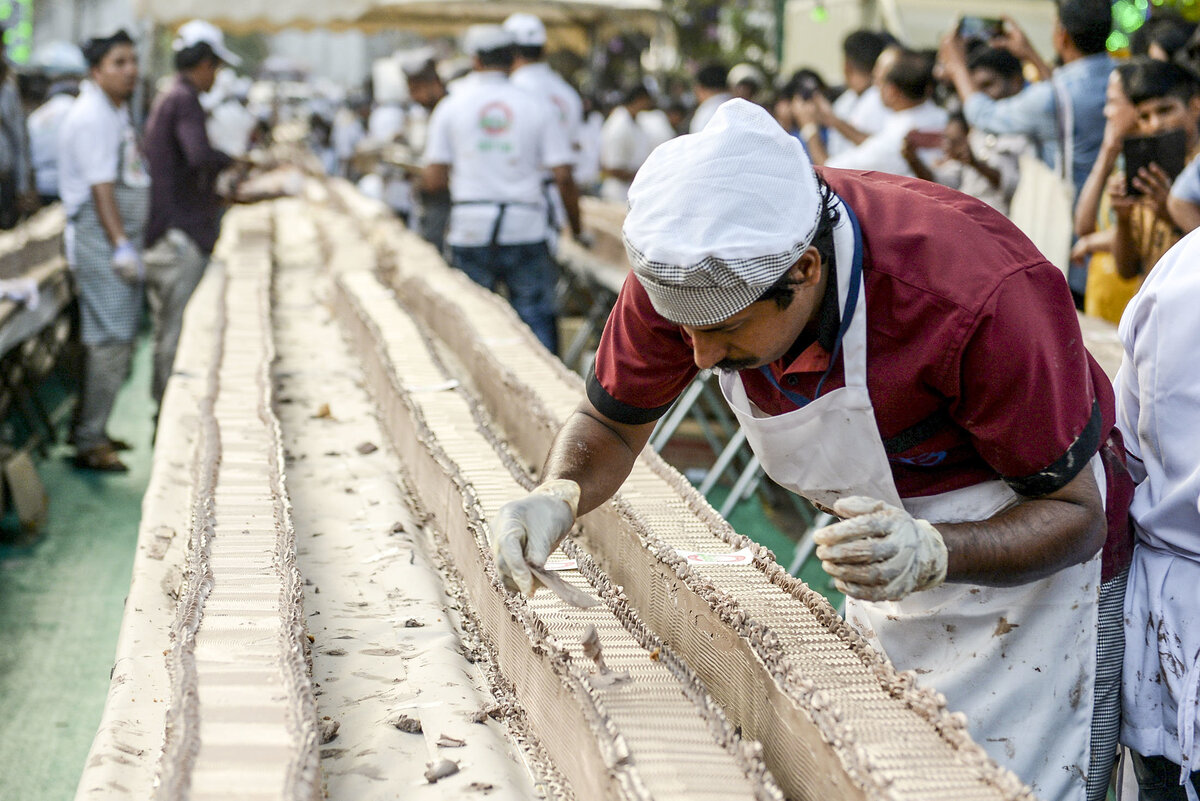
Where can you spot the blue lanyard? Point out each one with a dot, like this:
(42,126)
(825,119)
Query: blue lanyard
(847,316)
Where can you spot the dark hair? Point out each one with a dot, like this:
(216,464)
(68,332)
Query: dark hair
(195,55)
(501,57)
(1166,29)
(912,74)
(997,59)
(862,48)
(713,76)
(784,288)
(531,52)
(805,82)
(1144,78)
(427,74)
(635,93)
(1088,23)
(95,49)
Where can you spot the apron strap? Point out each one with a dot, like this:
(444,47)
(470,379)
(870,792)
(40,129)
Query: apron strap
(848,309)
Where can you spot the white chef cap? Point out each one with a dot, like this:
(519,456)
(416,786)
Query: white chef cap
(715,218)
(526,29)
(485,38)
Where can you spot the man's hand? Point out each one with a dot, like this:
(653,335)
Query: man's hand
(127,262)
(527,530)
(1118,197)
(880,553)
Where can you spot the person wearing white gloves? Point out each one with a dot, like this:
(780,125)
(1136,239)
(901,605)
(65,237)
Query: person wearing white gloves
(949,414)
(105,189)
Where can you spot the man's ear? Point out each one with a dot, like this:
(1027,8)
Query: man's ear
(808,268)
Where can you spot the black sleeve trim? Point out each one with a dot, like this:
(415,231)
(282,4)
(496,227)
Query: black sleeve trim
(616,410)
(914,435)
(1059,474)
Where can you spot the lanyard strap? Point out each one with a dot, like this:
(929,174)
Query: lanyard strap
(847,316)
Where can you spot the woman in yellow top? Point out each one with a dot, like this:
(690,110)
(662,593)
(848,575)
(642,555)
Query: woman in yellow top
(1144,97)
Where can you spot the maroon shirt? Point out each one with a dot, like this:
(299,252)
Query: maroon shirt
(975,362)
(183,168)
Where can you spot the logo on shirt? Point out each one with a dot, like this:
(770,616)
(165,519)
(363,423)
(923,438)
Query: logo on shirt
(561,105)
(495,118)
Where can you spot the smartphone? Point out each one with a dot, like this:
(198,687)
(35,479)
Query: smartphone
(807,87)
(927,140)
(984,29)
(1168,150)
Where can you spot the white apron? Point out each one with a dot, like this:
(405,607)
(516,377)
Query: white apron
(1020,662)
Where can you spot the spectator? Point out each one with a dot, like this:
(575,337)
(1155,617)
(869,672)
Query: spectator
(711,91)
(16,188)
(44,124)
(804,84)
(1162,36)
(624,144)
(905,81)
(746,81)
(185,212)
(106,193)
(1158,412)
(1080,35)
(985,166)
(858,111)
(1144,97)
(426,89)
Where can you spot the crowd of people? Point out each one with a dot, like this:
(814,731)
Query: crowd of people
(1012,528)
(143,212)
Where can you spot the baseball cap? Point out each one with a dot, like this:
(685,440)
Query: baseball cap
(526,29)
(200,31)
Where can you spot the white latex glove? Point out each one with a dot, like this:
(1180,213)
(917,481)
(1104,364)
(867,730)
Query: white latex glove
(529,529)
(880,553)
(127,262)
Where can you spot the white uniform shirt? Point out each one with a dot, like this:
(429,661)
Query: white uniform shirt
(587,165)
(1158,412)
(865,112)
(43,124)
(498,141)
(657,126)
(89,143)
(706,110)
(385,123)
(538,79)
(881,151)
(624,145)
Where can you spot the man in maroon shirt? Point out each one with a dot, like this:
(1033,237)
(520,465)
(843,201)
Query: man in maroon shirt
(903,356)
(185,210)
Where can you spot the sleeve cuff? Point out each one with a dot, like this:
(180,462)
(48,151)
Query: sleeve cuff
(619,411)
(1064,470)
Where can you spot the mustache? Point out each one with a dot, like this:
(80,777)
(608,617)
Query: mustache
(734,365)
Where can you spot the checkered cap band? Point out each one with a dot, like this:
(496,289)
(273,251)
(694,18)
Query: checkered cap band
(715,218)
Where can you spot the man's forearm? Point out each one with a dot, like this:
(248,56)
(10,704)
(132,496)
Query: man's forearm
(1030,541)
(595,453)
(569,193)
(105,199)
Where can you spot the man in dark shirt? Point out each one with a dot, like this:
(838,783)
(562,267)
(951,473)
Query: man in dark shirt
(185,210)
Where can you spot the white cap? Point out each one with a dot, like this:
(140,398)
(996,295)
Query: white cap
(485,38)
(197,31)
(526,29)
(716,217)
(59,58)
(412,62)
(740,73)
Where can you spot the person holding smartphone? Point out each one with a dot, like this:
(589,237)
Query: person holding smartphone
(1145,98)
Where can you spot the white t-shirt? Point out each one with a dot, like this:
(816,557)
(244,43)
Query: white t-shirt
(385,123)
(865,112)
(706,110)
(881,151)
(89,143)
(498,141)
(43,124)
(624,145)
(538,79)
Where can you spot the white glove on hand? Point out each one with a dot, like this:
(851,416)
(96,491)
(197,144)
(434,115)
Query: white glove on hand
(529,529)
(127,263)
(880,553)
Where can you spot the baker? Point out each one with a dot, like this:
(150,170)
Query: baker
(901,355)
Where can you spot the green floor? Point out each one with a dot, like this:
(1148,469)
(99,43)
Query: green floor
(61,601)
